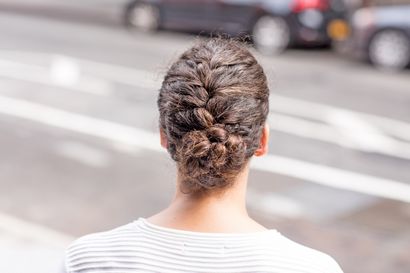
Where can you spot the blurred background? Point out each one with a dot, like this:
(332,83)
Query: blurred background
(78,121)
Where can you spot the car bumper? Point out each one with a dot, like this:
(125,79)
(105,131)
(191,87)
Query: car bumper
(311,27)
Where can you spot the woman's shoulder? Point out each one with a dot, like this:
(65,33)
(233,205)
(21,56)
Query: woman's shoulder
(313,259)
(99,237)
(95,247)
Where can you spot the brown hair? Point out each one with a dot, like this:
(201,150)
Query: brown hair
(213,104)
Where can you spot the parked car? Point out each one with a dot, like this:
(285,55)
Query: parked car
(381,34)
(272,24)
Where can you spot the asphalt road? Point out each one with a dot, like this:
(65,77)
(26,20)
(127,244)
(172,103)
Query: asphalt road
(80,152)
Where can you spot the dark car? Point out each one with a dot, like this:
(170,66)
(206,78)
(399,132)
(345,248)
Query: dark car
(381,34)
(272,24)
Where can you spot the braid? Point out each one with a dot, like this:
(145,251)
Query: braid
(213,104)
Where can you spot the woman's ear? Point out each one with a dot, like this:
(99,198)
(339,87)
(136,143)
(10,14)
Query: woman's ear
(263,145)
(163,138)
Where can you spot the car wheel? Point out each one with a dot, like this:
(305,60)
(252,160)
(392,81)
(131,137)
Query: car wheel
(144,17)
(270,35)
(390,49)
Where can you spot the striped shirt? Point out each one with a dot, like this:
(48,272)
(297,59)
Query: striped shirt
(141,246)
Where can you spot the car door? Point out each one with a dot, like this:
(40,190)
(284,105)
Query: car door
(235,16)
(186,14)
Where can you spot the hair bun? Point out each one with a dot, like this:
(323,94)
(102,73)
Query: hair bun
(195,144)
(206,154)
(218,155)
(217,133)
(205,144)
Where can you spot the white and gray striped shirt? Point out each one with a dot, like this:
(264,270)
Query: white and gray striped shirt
(141,246)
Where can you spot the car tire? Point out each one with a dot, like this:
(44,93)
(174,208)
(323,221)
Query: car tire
(270,35)
(143,17)
(389,49)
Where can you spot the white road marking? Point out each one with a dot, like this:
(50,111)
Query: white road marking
(359,133)
(54,76)
(302,128)
(312,110)
(316,173)
(349,133)
(130,76)
(324,113)
(274,204)
(80,123)
(350,129)
(353,130)
(64,71)
(83,153)
(29,230)
(333,177)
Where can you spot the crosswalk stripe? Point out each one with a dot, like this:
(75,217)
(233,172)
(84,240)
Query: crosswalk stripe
(128,135)
(354,130)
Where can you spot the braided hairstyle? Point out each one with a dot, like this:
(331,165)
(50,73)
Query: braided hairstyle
(213,105)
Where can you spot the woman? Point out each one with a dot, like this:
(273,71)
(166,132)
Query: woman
(213,105)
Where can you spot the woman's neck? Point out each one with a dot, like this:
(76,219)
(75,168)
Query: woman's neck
(220,212)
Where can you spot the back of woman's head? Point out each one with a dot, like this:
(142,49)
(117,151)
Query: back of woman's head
(213,105)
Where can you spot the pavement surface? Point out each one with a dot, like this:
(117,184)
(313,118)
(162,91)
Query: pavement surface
(80,150)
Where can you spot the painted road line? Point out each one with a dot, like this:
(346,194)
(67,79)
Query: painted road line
(364,138)
(62,73)
(82,153)
(325,113)
(130,76)
(291,106)
(346,128)
(80,123)
(271,203)
(66,67)
(333,177)
(108,130)
(32,231)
